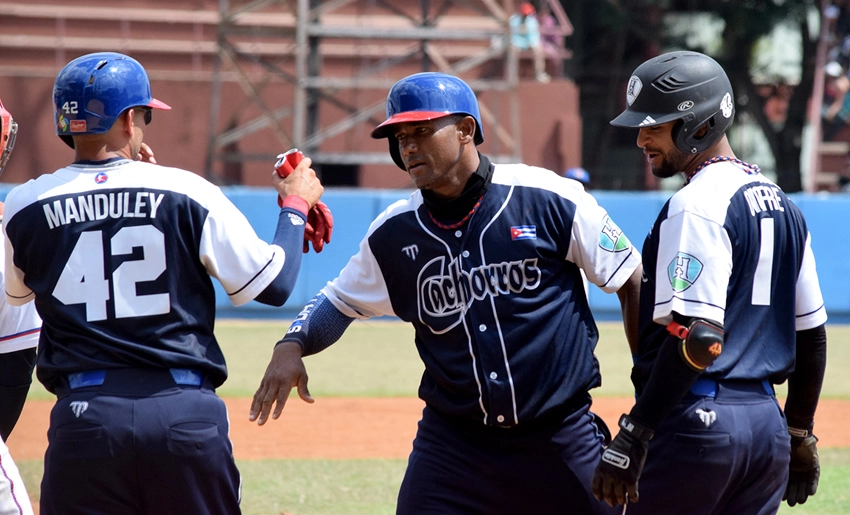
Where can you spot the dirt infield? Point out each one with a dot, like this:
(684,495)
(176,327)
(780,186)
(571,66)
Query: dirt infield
(335,428)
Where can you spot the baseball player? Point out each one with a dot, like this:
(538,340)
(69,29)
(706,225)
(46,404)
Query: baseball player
(483,260)
(118,254)
(19,329)
(19,325)
(730,306)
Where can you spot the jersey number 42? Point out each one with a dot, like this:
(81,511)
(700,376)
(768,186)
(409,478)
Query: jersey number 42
(84,281)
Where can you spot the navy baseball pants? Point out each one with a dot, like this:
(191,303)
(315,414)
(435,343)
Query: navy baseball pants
(139,444)
(725,453)
(458,469)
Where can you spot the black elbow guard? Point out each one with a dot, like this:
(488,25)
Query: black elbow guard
(701,342)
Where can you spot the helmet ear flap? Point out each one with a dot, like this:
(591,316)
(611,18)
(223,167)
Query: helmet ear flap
(687,136)
(394,152)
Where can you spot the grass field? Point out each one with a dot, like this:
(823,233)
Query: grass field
(378,359)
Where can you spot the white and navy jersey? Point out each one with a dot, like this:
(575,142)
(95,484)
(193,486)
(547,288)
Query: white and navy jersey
(500,314)
(118,257)
(19,325)
(732,247)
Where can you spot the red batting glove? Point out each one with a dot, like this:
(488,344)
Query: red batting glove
(320,221)
(320,225)
(287,162)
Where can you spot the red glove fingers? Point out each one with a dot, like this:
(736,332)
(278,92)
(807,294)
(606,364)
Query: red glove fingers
(320,223)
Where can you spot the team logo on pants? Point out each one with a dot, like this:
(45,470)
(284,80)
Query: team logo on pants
(78,407)
(707,416)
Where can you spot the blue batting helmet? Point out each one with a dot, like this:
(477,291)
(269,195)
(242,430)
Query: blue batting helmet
(427,96)
(93,90)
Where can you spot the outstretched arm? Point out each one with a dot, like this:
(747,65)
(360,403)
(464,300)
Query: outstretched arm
(680,361)
(318,326)
(300,191)
(629,295)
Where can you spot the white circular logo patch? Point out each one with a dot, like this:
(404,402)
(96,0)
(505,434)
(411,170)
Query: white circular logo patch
(686,105)
(633,90)
(726,105)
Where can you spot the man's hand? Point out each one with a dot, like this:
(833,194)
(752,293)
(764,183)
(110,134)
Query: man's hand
(804,470)
(145,154)
(301,182)
(617,474)
(285,372)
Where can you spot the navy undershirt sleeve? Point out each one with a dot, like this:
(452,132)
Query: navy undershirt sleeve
(669,381)
(805,383)
(289,237)
(318,326)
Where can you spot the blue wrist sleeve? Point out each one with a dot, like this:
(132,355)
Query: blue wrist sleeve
(318,326)
(289,236)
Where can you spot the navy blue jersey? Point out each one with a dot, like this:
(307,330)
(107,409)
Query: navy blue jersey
(501,317)
(119,258)
(731,247)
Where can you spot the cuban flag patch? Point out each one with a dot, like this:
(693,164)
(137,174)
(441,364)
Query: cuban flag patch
(524,232)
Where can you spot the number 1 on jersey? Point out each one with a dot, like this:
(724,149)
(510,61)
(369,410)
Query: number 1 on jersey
(764,268)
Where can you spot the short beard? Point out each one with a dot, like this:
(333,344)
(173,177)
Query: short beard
(671,164)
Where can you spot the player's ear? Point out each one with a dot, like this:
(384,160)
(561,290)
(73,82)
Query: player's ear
(466,128)
(125,121)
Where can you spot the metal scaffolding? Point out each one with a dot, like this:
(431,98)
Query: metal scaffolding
(468,38)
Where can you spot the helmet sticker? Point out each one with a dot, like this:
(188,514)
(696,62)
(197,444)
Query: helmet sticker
(633,90)
(78,126)
(686,105)
(62,124)
(726,105)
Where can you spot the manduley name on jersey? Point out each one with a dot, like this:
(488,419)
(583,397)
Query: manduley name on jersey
(99,206)
(763,198)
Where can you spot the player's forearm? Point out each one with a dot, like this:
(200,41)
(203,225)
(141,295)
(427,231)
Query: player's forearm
(317,326)
(668,382)
(805,383)
(290,238)
(629,295)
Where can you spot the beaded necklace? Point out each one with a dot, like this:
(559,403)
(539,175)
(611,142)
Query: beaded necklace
(457,224)
(748,168)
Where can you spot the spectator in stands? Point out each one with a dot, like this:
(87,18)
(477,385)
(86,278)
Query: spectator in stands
(552,38)
(836,102)
(525,34)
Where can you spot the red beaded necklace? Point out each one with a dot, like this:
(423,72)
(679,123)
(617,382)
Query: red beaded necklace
(747,167)
(461,222)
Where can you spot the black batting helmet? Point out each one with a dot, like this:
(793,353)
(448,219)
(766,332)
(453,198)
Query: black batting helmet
(686,86)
